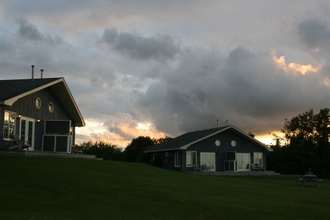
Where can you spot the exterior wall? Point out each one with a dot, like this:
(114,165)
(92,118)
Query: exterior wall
(26,108)
(168,161)
(243,146)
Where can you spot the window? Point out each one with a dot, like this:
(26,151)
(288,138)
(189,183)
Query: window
(9,125)
(177,159)
(257,158)
(191,158)
(208,159)
(38,103)
(51,107)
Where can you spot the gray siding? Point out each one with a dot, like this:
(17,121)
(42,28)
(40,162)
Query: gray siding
(26,107)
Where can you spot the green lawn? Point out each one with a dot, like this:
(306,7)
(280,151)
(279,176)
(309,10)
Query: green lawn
(58,188)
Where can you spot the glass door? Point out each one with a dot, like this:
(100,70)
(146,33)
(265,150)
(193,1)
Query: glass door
(27,131)
(208,159)
(243,162)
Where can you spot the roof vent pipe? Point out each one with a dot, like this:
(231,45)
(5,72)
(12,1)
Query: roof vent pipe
(42,73)
(32,71)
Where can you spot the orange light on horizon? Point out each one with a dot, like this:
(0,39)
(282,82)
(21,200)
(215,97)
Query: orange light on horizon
(296,67)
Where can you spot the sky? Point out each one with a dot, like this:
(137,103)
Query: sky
(163,68)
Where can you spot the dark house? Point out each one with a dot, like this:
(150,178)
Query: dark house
(219,149)
(38,115)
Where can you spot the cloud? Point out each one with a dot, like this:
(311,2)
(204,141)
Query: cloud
(168,67)
(136,46)
(251,90)
(315,35)
(31,32)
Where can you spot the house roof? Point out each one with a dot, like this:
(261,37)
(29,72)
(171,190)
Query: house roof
(12,90)
(186,140)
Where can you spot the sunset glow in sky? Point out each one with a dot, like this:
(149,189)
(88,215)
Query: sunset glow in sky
(163,68)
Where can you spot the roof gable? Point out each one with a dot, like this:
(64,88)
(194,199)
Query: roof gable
(186,140)
(12,90)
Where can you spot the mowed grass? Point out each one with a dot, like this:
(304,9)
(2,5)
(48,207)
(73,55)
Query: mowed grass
(58,188)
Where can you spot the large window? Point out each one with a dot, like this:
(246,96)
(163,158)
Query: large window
(208,159)
(243,162)
(191,158)
(9,125)
(177,159)
(257,158)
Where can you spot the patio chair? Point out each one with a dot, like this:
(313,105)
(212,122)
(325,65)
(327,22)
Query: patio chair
(19,144)
(255,167)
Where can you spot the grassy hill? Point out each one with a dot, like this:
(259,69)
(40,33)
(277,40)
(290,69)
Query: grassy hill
(58,188)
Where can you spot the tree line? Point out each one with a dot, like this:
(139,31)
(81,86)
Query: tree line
(304,144)
(134,152)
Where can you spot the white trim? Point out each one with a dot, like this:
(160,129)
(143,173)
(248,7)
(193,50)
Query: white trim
(184,147)
(12,100)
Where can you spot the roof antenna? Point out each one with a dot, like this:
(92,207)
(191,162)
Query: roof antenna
(32,71)
(42,73)
(217,123)
(226,122)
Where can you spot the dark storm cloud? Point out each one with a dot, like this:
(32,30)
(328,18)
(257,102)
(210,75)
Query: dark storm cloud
(31,32)
(247,88)
(314,34)
(253,82)
(159,47)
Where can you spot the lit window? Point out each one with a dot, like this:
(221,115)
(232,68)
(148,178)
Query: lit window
(191,158)
(38,103)
(9,125)
(51,107)
(257,158)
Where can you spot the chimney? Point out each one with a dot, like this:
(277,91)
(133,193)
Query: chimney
(32,71)
(42,73)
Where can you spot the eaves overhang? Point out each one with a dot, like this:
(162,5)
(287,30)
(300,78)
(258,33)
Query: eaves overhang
(161,150)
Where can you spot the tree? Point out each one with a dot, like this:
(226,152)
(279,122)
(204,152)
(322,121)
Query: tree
(102,150)
(307,144)
(162,140)
(138,144)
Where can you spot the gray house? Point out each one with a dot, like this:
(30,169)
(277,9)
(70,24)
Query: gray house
(38,115)
(218,149)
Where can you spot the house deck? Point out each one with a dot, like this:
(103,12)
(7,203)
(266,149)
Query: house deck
(229,173)
(48,154)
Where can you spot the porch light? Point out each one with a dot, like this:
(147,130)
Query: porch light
(19,116)
(38,120)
